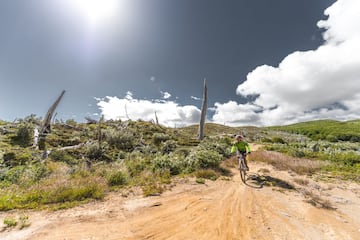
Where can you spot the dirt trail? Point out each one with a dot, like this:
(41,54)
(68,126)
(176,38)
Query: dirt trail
(222,209)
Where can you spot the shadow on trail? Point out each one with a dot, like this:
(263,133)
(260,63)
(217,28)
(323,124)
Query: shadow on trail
(255,180)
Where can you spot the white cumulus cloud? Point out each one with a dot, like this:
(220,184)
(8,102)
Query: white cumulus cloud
(166,95)
(168,113)
(195,98)
(307,85)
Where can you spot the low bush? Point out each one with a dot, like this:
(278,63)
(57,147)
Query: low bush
(9,159)
(13,175)
(221,146)
(345,158)
(172,162)
(135,166)
(168,147)
(198,159)
(24,135)
(200,180)
(96,152)
(121,140)
(151,184)
(278,140)
(10,222)
(62,156)
(158,138)
(117,178)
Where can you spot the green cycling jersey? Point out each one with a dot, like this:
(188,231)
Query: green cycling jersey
(241,146)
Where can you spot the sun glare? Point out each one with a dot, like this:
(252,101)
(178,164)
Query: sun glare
(95,11)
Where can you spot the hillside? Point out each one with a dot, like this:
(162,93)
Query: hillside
(213,129)
(329,130)
(128,180)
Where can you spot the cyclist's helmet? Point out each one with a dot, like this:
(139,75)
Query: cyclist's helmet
(239,137)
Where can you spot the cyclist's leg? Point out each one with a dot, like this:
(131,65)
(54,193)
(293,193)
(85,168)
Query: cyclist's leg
(245,160)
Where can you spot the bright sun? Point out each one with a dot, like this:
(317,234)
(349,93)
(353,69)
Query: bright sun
(95,11)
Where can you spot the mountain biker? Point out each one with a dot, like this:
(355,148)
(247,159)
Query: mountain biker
(241,147)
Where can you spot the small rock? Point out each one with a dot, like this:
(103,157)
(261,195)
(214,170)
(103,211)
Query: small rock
(156,204)
(285,214)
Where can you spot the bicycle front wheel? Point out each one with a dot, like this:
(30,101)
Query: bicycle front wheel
(242,171)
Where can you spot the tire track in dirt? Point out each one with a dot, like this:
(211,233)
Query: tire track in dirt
(217,212)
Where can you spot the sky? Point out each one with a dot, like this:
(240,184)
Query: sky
(265,62)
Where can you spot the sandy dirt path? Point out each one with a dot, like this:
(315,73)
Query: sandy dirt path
(221,209)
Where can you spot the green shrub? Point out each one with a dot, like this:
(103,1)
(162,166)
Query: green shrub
(145,149)
(71,122)
(200,180)
(121,140)
(278,140)
(345,158)
(296,153)
(7,202)
(121,155)
(14,174)
(266,140)
(184,152)
(158,138)
(24,135)
(172,162)
(10,222)
(62,156)
(117,178)
(96,152)
(203,159)
(9,159)
(168,147)
(33,173)
(135,166)
(331,138)
(220,146)
(150,185)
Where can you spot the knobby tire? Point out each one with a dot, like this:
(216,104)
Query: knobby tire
(242,170)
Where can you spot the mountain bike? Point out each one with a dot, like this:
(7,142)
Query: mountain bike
(242,166)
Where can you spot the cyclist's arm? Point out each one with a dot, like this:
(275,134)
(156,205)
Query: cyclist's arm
(248,148)
(233,149)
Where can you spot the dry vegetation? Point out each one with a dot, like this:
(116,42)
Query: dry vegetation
(280,161)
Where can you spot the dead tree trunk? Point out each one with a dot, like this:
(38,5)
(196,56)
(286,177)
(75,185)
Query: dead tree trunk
(99,131)
(126,113)
(45,127)
(203,113)
(156,119)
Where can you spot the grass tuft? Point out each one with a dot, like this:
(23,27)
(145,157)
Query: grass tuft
(206,174)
